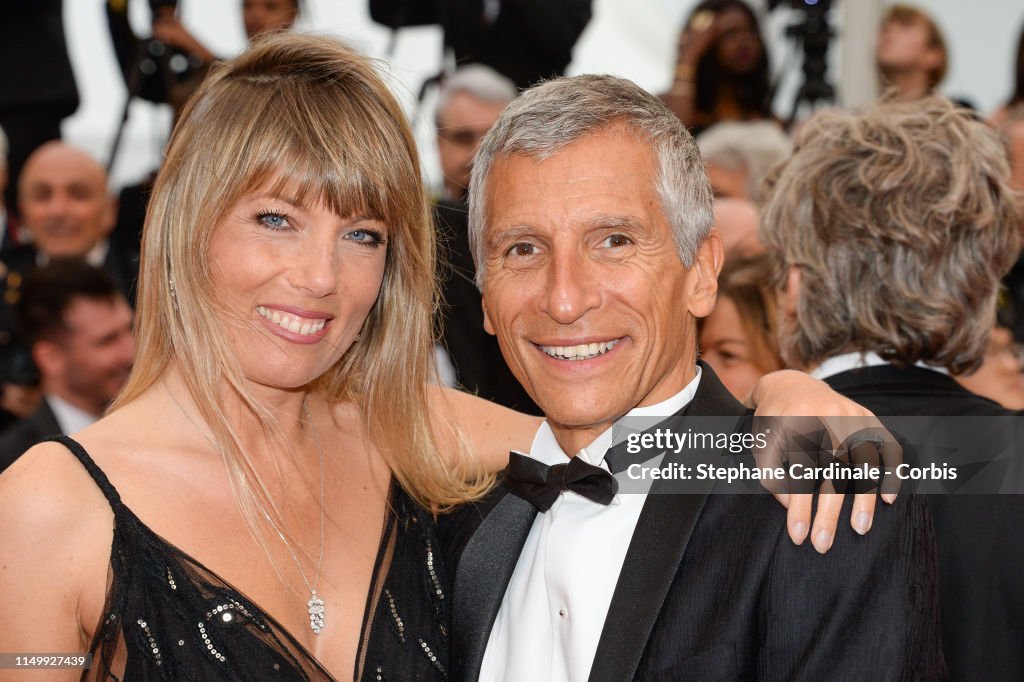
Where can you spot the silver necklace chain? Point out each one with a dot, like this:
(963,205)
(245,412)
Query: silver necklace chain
(315,605)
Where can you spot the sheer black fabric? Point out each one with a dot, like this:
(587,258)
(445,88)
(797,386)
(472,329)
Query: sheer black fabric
(167,617)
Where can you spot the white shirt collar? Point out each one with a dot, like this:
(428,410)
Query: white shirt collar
(94,257)
(70,418)
(837,364)
(546,449)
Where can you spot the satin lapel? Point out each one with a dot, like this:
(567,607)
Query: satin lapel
(483,575)
(656,550)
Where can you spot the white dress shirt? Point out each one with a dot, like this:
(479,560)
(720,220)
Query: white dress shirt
(94,256)
(70,418)
(553,612)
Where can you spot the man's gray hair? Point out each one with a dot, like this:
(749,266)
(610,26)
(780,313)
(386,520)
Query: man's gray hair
(902,222)
(754,146)
(478,81)
(550,116)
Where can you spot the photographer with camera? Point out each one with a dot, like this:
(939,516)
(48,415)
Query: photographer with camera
(722,69)
(169,66)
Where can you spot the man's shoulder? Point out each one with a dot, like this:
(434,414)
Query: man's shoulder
(912,391)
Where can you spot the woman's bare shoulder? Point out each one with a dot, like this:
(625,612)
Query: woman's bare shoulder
(56,527)
(48,489)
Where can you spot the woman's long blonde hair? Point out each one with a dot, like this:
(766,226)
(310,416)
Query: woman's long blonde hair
(309,116)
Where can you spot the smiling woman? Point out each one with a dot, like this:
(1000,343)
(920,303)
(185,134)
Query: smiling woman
(254,503)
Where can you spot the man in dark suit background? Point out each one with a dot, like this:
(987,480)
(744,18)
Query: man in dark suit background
(893,228)
(468,105)
(78,326)
(37,85)
(590,217)
(525,40)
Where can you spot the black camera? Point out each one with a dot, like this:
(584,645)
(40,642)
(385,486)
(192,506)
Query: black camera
(814,34)
(819,5)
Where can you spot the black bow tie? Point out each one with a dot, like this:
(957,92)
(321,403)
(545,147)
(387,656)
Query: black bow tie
(540,484)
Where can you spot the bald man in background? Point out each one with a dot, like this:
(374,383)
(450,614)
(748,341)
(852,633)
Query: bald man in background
(68,212)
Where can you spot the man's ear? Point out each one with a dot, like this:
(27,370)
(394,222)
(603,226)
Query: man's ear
(789,297)
(49,358)
(110,215)
(705,269)
(488,327)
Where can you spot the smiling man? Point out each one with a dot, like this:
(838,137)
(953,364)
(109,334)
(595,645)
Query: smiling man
(591,223)
(65,206)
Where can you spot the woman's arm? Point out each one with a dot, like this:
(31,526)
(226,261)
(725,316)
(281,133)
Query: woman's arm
(488,430)
(694,42)
(789,393)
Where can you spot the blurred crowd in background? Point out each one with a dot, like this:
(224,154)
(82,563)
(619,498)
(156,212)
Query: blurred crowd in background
(69,251)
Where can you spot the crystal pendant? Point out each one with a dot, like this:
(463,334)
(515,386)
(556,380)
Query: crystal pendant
(316,613)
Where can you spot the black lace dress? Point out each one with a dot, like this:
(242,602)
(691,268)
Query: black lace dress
(167,617)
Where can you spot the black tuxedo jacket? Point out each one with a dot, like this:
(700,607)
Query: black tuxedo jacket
(713,589)
(981,554)
(25,433)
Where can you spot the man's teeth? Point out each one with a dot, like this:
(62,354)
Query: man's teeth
(583,351)
(293,323)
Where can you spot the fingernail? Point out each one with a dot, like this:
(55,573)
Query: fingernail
(799,532)
(862,522)
(822,541)
(889,498)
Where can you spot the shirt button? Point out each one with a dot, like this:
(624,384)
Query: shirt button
(562,612)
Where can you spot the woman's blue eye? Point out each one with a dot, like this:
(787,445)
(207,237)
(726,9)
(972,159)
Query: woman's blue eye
(273,220)
(367,237)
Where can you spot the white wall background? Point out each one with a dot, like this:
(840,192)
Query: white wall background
(631,38)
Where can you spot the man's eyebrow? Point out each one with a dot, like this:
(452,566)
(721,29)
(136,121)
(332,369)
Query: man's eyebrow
(611,221)
(82,186)
(503,236)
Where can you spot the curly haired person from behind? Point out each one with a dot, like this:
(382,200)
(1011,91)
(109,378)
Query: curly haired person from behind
(893,227)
